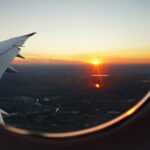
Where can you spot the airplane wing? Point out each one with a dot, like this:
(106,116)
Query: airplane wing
(9,49)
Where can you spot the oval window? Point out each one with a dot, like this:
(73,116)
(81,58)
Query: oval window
(88,64)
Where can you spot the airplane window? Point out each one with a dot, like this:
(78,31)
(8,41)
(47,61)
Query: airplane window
(88,65)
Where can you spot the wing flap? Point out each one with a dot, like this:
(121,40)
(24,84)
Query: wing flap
(11,70)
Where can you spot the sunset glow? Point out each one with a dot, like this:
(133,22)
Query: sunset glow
(96,62)
(79,31)
(75,59)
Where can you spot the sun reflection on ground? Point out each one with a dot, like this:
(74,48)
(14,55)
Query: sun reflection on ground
(97,85)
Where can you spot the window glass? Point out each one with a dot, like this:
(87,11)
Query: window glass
(88,63)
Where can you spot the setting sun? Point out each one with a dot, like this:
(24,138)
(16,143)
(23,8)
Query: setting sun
(96,62)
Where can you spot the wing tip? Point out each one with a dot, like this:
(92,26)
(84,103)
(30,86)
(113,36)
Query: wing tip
(28,35)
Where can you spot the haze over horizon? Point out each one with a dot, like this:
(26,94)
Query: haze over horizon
(114,31)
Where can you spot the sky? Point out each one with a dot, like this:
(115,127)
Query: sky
(115,31)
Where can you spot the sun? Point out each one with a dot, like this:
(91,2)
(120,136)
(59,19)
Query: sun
(96,62)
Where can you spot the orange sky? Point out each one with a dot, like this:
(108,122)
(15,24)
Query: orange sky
(114,57)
